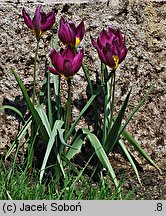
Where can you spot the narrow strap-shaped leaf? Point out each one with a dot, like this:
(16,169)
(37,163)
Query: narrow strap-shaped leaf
(14,109)
(75,147)
(60,164)
(72,187)
(107,89)
(19,136)
(122,145)
(43,90)
(56,80)
(79,116)
(50,114)
(133,142)
(113,132)
(55,38)
(44,119)
(57,125)
(36,117)
(86,75)
(58,97)
(137,107)
(68,107)
(62,140)
(101,154)
(31,152)
(75,170)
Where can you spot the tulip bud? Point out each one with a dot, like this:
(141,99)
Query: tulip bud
(40,23)
(111,47)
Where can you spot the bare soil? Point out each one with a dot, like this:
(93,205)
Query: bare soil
(143,22)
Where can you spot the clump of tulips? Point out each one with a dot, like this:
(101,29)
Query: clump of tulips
(52,124)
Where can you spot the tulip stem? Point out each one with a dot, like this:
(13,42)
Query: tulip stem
(34,72)
(91,93)
(104,74)
(109,92)
(86,75)
(88,79)
(33,125)
(113,98)
(68,107)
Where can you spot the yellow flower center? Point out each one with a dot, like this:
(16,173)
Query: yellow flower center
(39,34)
(77,41)
(116,59)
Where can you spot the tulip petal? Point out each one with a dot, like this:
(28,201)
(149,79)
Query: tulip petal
(27,19)
(67,69)
(37,18)
(94,43)
(100,52)
(110,46)
(68,53)
(59,63)
(43,17)
(53,70)
(77,61)
(65,34)
(122,54)
(37,22)
(110,60)
(103,38)
(72,26)
(109,55)
(57,60)
(50,20)
(41,21)
(80,31)
(52,55)
(115,49)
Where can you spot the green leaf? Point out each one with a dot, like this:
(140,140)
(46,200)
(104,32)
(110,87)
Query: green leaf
(72,187)
(101,154)
(42,131)
(44,119)
(14,109)
(61,164)
(56,81)
(108,106)
(57,125)
(122,145)
(50,114)
(86,75)
(88,78)
(128,136)
(21,133)
(43,90)
(113,135)
(68,107)
(31,151)
(54,39)
(79,116)
(73,167)
(137,107)
(75,147)
(58,107)
(62,140)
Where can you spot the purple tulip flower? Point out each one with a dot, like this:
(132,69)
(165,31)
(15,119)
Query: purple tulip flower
(40,23)
(66,62)
(69,34)
(111,47)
